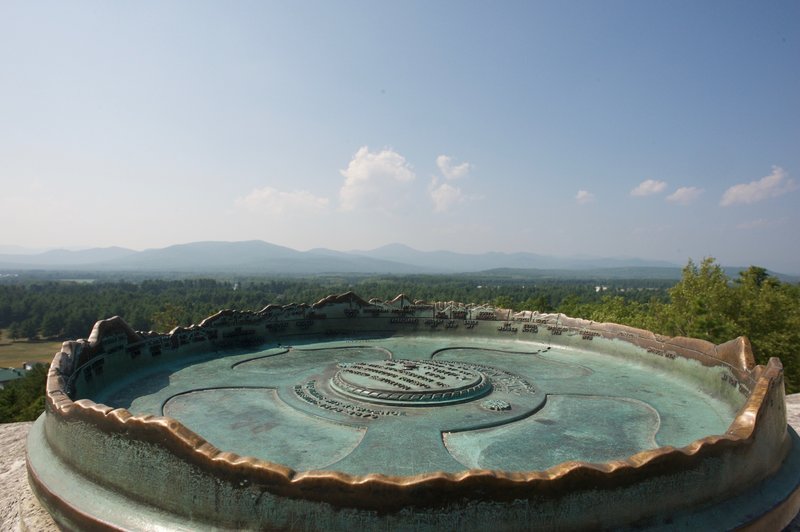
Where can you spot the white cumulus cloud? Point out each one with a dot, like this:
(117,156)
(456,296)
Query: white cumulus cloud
(271,201)
(445,196)
(685,195)
(773,185)
(370,177)
(648,187)
(583,197)
(445,164)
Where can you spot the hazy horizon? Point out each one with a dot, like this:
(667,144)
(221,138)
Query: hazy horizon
(581,261)
(616,129)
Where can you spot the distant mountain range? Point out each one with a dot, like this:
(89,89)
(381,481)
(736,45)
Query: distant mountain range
(256,257)
(467,262)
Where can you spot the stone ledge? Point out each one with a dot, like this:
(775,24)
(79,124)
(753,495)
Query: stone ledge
(19,508)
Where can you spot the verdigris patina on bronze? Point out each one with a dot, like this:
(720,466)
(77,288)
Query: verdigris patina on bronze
(411,415)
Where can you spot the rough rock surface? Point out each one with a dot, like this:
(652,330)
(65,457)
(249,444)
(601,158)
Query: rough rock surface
(20,511)
(793,411)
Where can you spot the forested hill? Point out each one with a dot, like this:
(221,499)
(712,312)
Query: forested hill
(704,303)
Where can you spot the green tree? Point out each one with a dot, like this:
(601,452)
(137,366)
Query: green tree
(14,331)
(503,302)
(573,306)
(701,304)
(29,329)
(75,327)
(539,303)
(51,325)
(768,313)
(169,317)
(705,304)
(617,309)
(756,276)
(23,399)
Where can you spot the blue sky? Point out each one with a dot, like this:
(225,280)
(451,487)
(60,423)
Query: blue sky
(662,130)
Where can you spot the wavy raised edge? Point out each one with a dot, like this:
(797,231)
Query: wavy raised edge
(382,491)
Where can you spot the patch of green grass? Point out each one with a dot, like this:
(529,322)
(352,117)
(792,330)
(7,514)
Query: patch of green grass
(14,354)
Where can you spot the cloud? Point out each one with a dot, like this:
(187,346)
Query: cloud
(271,201)
(759,223)
(648,187)
(583,197)
(444,162)
(444,196)
(685,195)
(773,185)
(370,176)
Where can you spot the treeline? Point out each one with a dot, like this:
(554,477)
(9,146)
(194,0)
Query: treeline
(706,303)
(69,309)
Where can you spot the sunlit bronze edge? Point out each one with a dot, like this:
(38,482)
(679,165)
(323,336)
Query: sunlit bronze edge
(741,430)
(186,443)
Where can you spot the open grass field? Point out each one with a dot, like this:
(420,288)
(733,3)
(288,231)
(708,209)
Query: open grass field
(13,354)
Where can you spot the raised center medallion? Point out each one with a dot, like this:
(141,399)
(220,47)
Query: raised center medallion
(410,382)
